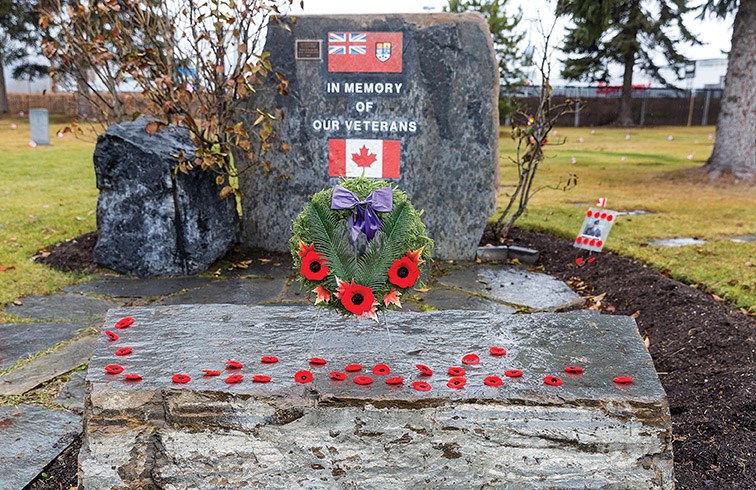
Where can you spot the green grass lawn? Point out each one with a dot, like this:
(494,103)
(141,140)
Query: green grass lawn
(49,196)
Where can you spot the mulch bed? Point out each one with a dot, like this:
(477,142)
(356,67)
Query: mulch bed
(703,351)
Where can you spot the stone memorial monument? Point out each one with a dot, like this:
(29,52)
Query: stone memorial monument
(412,99)
(39,125)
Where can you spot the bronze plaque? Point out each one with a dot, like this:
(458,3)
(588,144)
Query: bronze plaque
(308,50)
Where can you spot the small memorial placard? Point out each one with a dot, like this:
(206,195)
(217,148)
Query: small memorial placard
(308,50)
(595,229)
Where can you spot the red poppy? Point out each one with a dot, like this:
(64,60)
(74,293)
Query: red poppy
(314,266)
(269,359)
(338,375)
(318,361)
(573,370)
(424,370)
(111,335)
(303,376)
(180,378)
(356,298)
(579,260)
(211,372)
(234,365)
(456,383)
(403,272)
(397,380)
(493,381)
(132,377)
(260,378)
(552,381)
(381,370)
(593,259)
(421,386)
(623,380)
(456,371)
(363,380)
(123,351)
(234,378)
(471,359)
(497,351)
(124,322)
(513,373)
(113,369)
(351,368)
(578,240)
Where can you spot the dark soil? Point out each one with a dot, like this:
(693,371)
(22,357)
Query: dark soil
(703,351)
(61,473)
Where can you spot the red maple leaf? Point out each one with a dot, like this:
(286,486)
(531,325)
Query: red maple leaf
(364,158)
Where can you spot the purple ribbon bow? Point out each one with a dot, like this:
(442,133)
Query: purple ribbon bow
(364,219)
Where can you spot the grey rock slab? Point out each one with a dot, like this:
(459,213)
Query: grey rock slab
(514,286)
(587,433)
(127,287)
(152,220)
(61,307)
(677,242)
(73,393)
(448,92)
(30,438)
(504,252)
(47,367)
(21,340)
(231,291)
(442,298)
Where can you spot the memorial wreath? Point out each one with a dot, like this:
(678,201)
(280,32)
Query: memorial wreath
(359,246)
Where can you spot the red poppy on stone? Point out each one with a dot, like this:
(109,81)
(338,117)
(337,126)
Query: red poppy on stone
(493,381)
(421,386)
(260,378)
(269,359)
(303,376)
(180,378)
(111,335)
(424,370)
(234,378)
(314,267)
(396,380)
(211,372)
(456,371)
(356,298)
(456,383)
(497,351)
(304,249)
(471,359)
(338,375)
(513,373)
(573,370)
(123,351)
(132,377)
(124,322)
(234,365)
(113,369)
(381,370)
(403,272)
(352,368)
(318,361)
(623,380)
(552,381)
(363,380)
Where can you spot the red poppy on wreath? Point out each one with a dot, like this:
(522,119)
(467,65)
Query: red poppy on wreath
(323,295)
(260,378)
(113,369)
(234,378)
(338,375)
(304,249)
(211,372)
(403,272)
(303,376)
(314,266)
(180,378)
(111,335)
(123,351)
(132,377)
(356,298)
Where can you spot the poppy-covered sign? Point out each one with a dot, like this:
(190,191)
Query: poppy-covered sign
(595,229)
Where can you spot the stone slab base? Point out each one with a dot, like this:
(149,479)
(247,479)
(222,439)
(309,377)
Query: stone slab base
(587,433)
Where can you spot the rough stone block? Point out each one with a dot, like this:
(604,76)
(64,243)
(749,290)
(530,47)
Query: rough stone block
(152,220)
(587,433)
(441,115)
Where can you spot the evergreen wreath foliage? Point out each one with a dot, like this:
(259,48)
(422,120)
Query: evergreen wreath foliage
(321,240)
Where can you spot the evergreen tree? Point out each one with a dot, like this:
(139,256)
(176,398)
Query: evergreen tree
(735,146)
(18,32)
(625,32)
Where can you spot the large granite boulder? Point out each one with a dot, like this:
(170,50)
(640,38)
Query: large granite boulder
(410,98)
(152,220)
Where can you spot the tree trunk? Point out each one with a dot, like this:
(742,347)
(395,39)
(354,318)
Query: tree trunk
(625,117)
(3,95)
(83,97)
(735,146)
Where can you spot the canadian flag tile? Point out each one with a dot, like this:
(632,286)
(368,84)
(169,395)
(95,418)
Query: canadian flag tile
(377,159)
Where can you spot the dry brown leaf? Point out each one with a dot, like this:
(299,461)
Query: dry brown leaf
(636,314)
